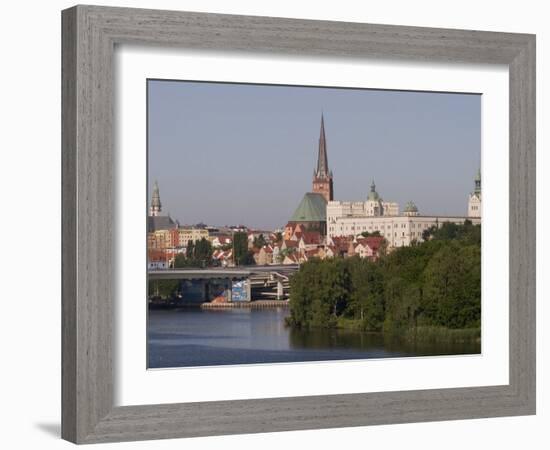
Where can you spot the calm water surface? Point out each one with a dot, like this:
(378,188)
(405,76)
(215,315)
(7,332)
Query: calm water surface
(195,337)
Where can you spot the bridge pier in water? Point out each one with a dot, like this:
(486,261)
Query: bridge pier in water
(230,285)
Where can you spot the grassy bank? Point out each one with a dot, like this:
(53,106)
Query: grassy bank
(421,333)
(439,334)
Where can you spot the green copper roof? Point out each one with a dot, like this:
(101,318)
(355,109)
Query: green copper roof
(410,207)
(373,195)
(477,182)
(312,208)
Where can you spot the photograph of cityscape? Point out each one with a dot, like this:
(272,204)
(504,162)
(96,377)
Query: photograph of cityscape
(294,223)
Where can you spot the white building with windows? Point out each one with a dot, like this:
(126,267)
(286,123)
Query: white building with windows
(354,218)
(374,206)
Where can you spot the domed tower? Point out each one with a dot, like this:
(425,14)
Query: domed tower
(410,209)
(373,204)
(474,201)
(322,176)
(156,206)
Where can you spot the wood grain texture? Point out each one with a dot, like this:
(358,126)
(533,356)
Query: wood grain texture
(89,36)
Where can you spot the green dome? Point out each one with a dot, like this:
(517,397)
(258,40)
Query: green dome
(373,195)
(410,207)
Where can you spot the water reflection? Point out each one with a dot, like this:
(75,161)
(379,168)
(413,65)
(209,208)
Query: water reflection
(195,337)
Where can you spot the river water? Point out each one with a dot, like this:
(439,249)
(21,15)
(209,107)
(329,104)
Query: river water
(196,337)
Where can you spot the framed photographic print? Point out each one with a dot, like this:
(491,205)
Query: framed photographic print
(278,224)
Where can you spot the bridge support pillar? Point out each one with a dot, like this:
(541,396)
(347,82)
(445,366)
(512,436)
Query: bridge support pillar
(228,291)
(280,290)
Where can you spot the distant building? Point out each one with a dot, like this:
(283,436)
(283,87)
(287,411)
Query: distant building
(369,247)
(322,176)
(220,241)
(351,219)
(157,259)
(310,215)
(156,205)
(264,255)
(156,221)
(186,234)
(374,206)
(474,202)
(311,212)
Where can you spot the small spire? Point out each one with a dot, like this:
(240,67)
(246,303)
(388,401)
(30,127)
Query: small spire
(373,195)
(156,205)
(322,159)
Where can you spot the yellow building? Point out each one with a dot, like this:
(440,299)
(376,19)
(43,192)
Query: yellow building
(191,234)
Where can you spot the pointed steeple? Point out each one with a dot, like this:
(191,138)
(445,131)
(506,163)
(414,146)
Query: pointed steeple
(156,205)
(322,159)
(322,176)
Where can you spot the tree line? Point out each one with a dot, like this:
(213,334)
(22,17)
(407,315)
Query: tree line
(436,283)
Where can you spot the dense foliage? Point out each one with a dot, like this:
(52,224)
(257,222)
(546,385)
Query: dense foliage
(197,254)
(164,289)
(259,241)
(243,256)
(436,283)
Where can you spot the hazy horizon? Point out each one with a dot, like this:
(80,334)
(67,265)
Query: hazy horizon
(228,154)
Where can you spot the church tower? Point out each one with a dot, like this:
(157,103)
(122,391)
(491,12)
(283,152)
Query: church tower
(156,206)
(322,177)
(474,202)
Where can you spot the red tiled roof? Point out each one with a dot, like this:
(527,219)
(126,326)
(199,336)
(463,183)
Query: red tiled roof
(293,244)
(374,242)
(156,255)
(311,237)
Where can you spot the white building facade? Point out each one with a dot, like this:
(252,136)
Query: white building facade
(474,202)
(353,218)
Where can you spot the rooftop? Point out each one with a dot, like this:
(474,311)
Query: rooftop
(312,208)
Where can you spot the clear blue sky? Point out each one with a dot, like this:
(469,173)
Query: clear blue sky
(244,154)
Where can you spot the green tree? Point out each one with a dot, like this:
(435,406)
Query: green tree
(371,233)
(190,250)
(435,283)
(203,253)
(163,288)
(366,294)
(241,253)
(180,261)
(452,287)
(259,241)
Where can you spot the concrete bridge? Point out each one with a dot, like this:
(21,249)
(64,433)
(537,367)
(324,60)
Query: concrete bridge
(238,283)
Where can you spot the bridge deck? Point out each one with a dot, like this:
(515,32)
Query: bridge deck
(217,273)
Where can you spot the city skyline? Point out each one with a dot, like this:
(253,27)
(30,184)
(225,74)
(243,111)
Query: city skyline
(256,165)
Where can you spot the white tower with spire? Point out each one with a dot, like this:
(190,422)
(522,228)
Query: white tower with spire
(474,201)
(156,206)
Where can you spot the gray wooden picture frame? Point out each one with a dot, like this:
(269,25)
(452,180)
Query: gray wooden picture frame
(90,34)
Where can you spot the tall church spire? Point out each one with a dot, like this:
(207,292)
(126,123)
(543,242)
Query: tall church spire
(322,159)
(322,176)
(156,206)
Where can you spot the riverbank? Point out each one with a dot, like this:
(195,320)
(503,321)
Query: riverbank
(255,304)
(420,333)
(252,304)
